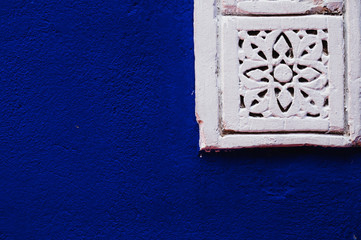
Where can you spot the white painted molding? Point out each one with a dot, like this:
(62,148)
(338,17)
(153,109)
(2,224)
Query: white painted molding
(281,7)
(273,80)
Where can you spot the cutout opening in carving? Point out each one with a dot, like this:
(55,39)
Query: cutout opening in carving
(262,94)
(291,90)
(242,102)
(304,94)
(255,102)
(301,66)
(277,91)
(283,109)
(240,43)
(255,115)
(313,115)
(275,55)
(311,31)
(325,104)
(253,33)
(325,47)
(261,54)
(289,53)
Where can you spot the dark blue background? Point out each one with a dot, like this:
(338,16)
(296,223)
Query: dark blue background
(99,140)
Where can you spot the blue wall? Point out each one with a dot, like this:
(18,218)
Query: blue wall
(99,140)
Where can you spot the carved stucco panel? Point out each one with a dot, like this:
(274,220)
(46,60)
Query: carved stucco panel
(278,73)
(282,74)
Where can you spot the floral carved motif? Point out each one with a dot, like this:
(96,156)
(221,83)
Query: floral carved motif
(283,73)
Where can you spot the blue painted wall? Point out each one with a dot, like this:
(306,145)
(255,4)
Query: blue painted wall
(98,138)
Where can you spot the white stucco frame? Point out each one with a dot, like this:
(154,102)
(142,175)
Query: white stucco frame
(208,90)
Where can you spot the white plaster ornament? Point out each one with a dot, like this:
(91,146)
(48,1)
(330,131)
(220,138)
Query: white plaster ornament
(273,73)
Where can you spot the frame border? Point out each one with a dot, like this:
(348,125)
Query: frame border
(208,90)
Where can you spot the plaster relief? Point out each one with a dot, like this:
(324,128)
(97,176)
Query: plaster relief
(278,73)
(281,7)
(283,73)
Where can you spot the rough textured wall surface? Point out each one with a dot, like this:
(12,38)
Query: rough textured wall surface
(99,140)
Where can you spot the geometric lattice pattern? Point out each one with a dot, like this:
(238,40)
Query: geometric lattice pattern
(283,73)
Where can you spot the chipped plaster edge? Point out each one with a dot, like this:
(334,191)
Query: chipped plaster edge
(205,44)
(232,7)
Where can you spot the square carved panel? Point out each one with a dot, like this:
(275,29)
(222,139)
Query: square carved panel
(282,74)
(263,79)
